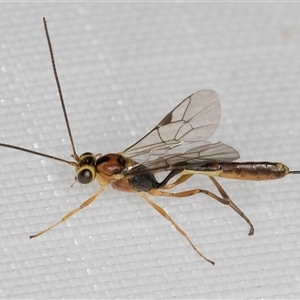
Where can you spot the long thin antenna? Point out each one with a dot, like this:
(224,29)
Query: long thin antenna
(72,163)
(75,156)
(59,90)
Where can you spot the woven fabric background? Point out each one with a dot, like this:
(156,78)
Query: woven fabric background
(122,67)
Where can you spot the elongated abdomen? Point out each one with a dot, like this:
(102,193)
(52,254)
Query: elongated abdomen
(242,171)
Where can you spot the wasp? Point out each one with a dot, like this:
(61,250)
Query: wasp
(188,125)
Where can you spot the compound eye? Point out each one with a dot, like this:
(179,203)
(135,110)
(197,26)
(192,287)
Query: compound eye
(86,174)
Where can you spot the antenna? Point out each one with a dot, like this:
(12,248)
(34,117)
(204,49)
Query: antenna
(59,90)
(75,156)
(72,163)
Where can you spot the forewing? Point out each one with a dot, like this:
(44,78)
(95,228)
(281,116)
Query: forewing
(198,156)
(193,120)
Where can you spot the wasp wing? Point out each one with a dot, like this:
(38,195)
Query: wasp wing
(198,156)
(193,120)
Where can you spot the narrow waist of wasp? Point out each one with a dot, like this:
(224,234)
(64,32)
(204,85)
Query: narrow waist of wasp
(242,170)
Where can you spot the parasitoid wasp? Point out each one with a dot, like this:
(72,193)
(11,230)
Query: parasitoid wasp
(193,121)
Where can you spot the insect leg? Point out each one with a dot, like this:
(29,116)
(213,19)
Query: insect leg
(165,215)
(71,213)
(180,180)
(229,202)
(225,200)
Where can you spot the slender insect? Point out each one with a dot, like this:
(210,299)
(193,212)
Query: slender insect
(191,122)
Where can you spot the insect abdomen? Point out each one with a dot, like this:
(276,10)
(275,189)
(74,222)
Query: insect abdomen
(254,171)
(242,171)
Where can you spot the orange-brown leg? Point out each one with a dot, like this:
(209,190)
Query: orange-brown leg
(71,213)
(225,200)
(180,180)
(229,202)
(165,215)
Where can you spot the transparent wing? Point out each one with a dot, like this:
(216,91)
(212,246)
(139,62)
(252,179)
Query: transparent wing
(198,156)
(193,120)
